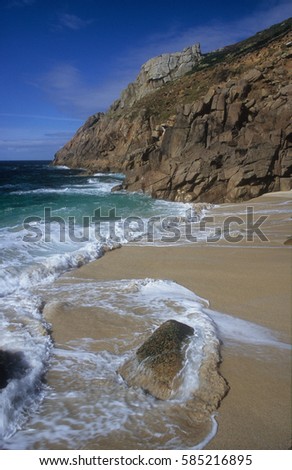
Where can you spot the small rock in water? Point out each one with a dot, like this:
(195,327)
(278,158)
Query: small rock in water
(157,368)
(157,363)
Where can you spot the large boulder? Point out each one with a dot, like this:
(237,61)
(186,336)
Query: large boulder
(160,368)
(157,364)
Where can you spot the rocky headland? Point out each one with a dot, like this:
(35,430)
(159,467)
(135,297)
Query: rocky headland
(199,127)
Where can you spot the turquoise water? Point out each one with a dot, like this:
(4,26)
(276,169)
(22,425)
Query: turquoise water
(26,188)
(48,212)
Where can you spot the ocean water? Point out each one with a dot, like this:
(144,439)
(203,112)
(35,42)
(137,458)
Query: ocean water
(53,219)
(67,394)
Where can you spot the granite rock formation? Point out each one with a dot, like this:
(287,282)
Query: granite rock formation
(158,362)
(220,133)
(158,71)
(158,368)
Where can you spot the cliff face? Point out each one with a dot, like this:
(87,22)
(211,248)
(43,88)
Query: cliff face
(220,133)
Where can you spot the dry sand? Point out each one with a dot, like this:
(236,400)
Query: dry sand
(247,281)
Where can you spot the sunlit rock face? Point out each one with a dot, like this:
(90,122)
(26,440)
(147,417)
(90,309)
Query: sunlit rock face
(157,364)
(158,71)
(160,366)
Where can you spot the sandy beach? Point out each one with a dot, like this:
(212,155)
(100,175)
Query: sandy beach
(251,281)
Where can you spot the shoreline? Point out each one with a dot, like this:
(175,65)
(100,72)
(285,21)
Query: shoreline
(247,282)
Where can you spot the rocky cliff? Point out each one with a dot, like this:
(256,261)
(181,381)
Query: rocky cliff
(193,127)
(158,71)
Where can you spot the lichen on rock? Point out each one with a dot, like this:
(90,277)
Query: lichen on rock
(158,368)
(158,362)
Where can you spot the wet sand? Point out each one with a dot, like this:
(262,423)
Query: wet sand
(252,282)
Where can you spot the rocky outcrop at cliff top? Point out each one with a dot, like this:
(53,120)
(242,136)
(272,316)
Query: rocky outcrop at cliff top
(220,133)
(158,71)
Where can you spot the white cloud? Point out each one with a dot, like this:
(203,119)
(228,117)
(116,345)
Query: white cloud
(211,36)
(24,144)
(73,22)
(66,87)
(39,116)
(215,34)
(19,3)
(26,140)
(42,147)
(68,90)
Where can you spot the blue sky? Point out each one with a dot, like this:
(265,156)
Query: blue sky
(62,61)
